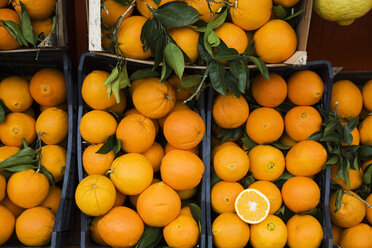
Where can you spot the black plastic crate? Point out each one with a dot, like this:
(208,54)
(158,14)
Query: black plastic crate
(28,64)
(88,63)
(324,70)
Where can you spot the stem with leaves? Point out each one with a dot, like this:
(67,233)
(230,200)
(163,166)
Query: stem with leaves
(198,89)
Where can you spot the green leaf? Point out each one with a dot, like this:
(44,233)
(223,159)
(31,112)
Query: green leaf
(365,153)
(54,25)
(123,79)
(163,71)
(281,146)
(19,168)
(191,81)
(48,175)
(195,211)
(261,66)
(207,45)
(285,176)
(174,58)
(24,156)
(2,114)
(124,2)
(279,11)
(109,145)
(248,181)
(316,136)
(226,134)
(150,237)
(213,39)
(217,77)
(333,137)
(15,30)
(215,179)
(232,84)
(333,160)
(219,20)
(144,73)
(226,54)
(330,127)
(239,70)
(367,176)
(157,2)
(248,142)
(347,135)
(117,147)
(338,200)
(294,15)
(176,14)
(345,170)
(27,30)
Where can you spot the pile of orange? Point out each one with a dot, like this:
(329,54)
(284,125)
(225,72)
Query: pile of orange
(251,21)
(153,175)
(28,203)
(254,213)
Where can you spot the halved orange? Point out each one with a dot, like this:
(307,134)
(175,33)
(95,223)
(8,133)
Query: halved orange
(252,206)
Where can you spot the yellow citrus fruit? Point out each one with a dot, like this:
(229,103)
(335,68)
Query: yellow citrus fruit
(15,128)
(187,194)
(52,126)
(135,111)
(300,194)
(275,42)
(271,192)
(15,94)
(37,10)
(367,95)
(53,158)
(233,36)
(286,3)
(369,210)
(269,93)
(131,173)
(306,158)
(2,187)
(7,224)
(223,196)
(287,141)
(264,125)
(120,107)
(305,88)
(155,154)
(251,14)
(119,199)
(351,212)
(356,136)
(230,111)
(355,178)
(218,147)
(186,39)
(7,41)
(96,126)
(359,236)
(112,12)
(3,3)
(365,131)
(44,26)
(266,162)
(304,231)
(181,232)
(27,189)
(252,206)
(202,7)
(96,236)
(230,231)
(348,98)
(53,198)
(129,40)
(95,195)
(231,163)
(186,211)
(144,10)
(336,234)
(272,232)
(178,106)
(182,93)
(95,163)
(133,198)
(48,87)
(7,152)
(16,210)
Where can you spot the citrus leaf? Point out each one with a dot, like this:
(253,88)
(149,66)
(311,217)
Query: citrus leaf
(124,2)
(316,136)
(330,127)
(19,168)
(232,83)
(248,181)
(333,160)
(216,73)
(208,46)
(123,78)
(347,135)
(176,14)
(238,69)
(15,30)
(195,211)
(338,199)
(367,176)
(111,78)
(213,39)
(191,81)
(248,142)
(157,2)
(281,146)
(47,174)
(109,145)
(2,114)
(54,25)
(219,20)
(117,147)
(294,15)
(226,54)
(144,73)
(365,153)
(215,179)
(174,58)
(150,237)
(24,156)
(116,90)
(346,173)
(27,30)
(279,11)
(261,66)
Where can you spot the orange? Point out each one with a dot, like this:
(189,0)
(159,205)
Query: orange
(53,198)
(306,158)
(252,206)
(168,147)
(131,173)
(305,88)
(300,194)
(230,231)
(16,210)
(233,36)
(48,87)
(136,132)
(155,154)
(3,3)
(369,210)
(184,129)
(302,121)
(286,3)
(231,163)
(218,147)
(356,137)
(7,152)
(350,214)
(135,111)
(365,164)
(178,106)
(266,162)
(365,131)
(27,189)
(133,198)
(367,95)
(186,211)
(265,125)
(120,107)
(348,97)
(181,170)
(182,93)
(158,205)
(129,33)
(112,12)
(271,192)
(95,163)
(96,236)
(269,93)
(121,227)
(7,224)
(272,232)
(187,194)
(202,7)
(218,130)
(230,111)
(53,158)
(287,141)
(2,187)
(62,106)
(356,179)
(30,112)
(52,126)
(96,126)
(223,196)
(34,226)
(304,231)
(42,26)
(144,10)
(152,99)
(336,234)
(7,41)
(275,42)
(37,10)
(359,236)
(16,127)
(93,89)
(15,94)
(251,14)
(119,198)
(95,195)
(182,232)
(187,40)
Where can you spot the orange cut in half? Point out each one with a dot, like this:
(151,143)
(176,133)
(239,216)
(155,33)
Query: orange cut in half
(252,206)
